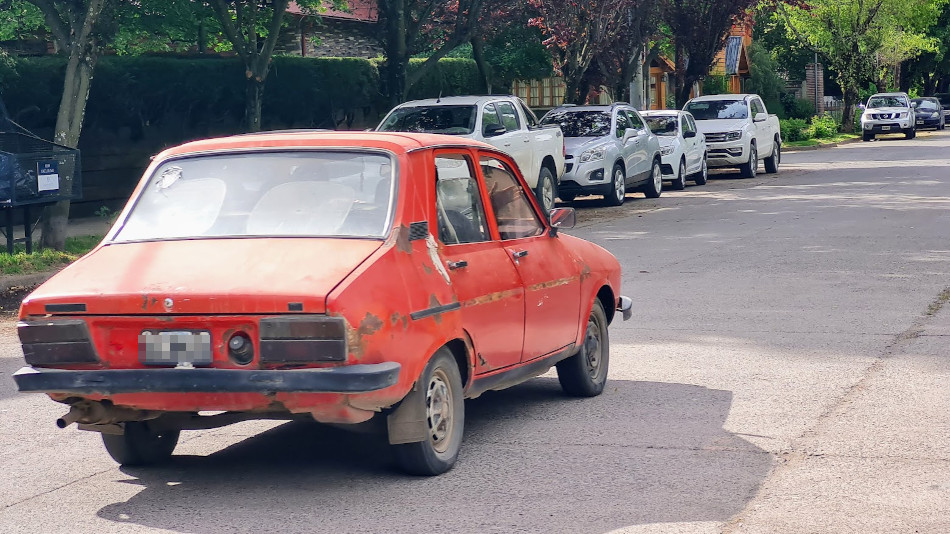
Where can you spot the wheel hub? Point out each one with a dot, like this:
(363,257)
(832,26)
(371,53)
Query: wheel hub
(592,349)
(439,410)
(619,186)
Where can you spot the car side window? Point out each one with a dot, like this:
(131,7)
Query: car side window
(635,121)
(459,209)
(489,118)
(529,116)
(623,122)
(513,211)
(509,116)
(756,107)
(691,122)
(687,126)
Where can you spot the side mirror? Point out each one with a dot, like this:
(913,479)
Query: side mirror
(689,135)
(492,130)
(562,218)
(862,106)
(760,117)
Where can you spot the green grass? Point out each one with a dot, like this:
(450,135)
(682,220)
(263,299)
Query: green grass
(46,260)
(819,142)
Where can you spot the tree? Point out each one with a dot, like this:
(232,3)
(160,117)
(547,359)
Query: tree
(930,71)
(412,26)
(699,29)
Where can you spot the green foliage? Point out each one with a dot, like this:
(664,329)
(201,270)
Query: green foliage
(47,259)
(797,108)
(518,54)
(794,130)
(715,84)
(824,126)
(19,19)
(451,76)
(764,78)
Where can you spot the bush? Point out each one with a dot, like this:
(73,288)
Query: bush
(798,108)
(825,126)
(794,130)
(715,84)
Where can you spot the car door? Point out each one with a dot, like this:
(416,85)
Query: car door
(643,160)
(763,139)
(690,144)
(625,136)
(549,272)
(486,283)
(507,141)
(520,141)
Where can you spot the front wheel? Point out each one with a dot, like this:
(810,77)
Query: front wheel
(654,187)
(679,183)
(867,136)
(585,373)
(702,176)
(546,190)
(445,419)
(749,168)
(910,133)
(139,445)
(772,162)
(618,186)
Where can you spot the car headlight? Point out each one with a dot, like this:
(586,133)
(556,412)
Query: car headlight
(666,150)
(900,115)
(734,136)
(594,154)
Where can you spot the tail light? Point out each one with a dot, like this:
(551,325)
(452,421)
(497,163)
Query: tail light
(303,339)
(56,342)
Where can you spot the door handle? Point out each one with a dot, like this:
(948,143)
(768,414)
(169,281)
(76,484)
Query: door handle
(507,144)
(453,265)
(518,254)
(527,140)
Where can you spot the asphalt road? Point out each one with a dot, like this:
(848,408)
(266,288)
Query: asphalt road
(786,370)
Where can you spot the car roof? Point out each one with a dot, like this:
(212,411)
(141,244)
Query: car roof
(592,107)
(395,142)
(470,100)
(662,112)
(708,98)
(888,94)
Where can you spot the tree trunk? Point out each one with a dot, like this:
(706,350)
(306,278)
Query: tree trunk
(847,117)
(253,93)
(680,85)
(72,111)
(484,69)
(397,50)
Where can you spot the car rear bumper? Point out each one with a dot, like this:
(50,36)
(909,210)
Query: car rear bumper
(360,378)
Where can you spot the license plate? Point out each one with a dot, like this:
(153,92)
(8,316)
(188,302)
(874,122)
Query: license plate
(175,347)
(885,128)
(920,122)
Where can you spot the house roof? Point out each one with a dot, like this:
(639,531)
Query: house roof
(736,60)
(359,10)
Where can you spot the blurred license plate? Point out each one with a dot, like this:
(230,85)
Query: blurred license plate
(920,122)
(885,128)
(174,348)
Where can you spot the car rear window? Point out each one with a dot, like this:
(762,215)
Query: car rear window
(451,120)
(664,125)
(299,193)
(718,109)
(580,123)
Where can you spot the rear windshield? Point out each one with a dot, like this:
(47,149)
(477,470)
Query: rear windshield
(318,193)
(718,109)
(887,102)
(663,125)
(451,120)
(580,123)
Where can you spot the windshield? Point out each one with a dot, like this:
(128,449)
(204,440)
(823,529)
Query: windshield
(887,102)
(927,105)
(452,120)
(718,109)
(580,123)
(318,193)
(664,125)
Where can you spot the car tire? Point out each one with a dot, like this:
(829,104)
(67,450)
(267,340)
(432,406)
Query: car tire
(749,169)
(445,417)
(618,186)
(567,197)
(910,133)
(772,162)
(654,187)
(140,445)
(546,190)
(867,136)
(679,183)
(701,177)
(585,373)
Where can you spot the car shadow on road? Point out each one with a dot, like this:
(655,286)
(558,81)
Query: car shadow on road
(533,460)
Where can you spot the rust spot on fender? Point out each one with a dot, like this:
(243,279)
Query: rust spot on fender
(397,318)
(370,325)
(402,240)
(354,336)
(585,273)
(492,297)
(550,284)
(145,302)
(427,269)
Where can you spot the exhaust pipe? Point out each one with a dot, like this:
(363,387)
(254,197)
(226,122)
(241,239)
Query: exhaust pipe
(101,413)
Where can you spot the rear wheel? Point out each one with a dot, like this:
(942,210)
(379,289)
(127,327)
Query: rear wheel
(546,189)
(585,373)
(703,175)
(679,183)
(654,187)
(445,419)
(772,162)
(139,445)
(618,186)
(749,168)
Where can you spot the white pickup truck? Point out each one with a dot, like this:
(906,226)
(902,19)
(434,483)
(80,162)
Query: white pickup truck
(504,122)
(739,132)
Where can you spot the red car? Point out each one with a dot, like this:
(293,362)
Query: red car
(333,276)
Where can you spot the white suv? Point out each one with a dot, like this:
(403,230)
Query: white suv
(888,113)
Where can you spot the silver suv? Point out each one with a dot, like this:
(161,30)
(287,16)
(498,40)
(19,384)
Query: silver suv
(610,150)
(888,113)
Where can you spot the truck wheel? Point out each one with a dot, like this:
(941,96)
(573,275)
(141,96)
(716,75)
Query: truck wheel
(567,197)
(585,373)
(702,176)
(867,136)
(618,186)
(749,169)
(679,183)
(910,133)
(654,187)
(772,162)
(546,190)
(139,445)
(445,417)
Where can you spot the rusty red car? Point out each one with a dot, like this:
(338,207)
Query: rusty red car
(331,276)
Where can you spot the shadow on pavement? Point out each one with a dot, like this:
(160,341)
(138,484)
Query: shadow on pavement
(533,461)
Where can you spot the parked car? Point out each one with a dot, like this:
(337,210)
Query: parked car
(610,151)
(504,122)
(888,113)
(929,112)
(682,146)
(329,276)
(739,132)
